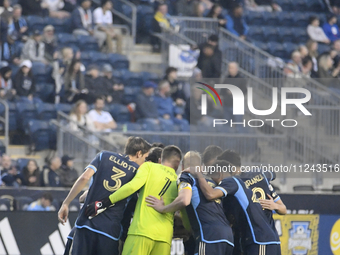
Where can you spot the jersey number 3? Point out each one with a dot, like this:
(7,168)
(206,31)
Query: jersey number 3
(115,177)
(165,187)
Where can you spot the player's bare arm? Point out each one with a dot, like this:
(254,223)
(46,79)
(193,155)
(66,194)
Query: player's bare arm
(269,204)
(182,200)
(77,187)
(209,192)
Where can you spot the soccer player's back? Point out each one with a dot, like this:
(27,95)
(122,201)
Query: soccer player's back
(151,232)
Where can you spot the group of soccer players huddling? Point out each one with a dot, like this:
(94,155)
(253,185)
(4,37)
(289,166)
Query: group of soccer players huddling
(215,212)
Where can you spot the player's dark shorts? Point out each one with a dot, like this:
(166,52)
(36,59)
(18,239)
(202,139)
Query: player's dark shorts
(257,249)
(87,242)
(69,241)
(222,248)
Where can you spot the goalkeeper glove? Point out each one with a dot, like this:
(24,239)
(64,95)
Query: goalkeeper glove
(97,207)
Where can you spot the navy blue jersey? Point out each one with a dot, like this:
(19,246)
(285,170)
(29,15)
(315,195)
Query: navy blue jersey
(257,230)
(112,170)
(258,182)
(206,217)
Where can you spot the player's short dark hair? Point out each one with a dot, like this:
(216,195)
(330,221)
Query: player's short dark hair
(220,166)
(47,196)
(213,38)
(170,152)
(154,154)
(210,153)
(159,145)
(136,144)
(231,156)
(99,98)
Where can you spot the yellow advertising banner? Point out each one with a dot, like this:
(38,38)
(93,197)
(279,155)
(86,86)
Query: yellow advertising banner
(299,234)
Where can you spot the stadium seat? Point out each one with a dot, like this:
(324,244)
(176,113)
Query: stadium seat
(276,49)
(21,163)
(130,93)
(13,115)
(42,73)
(53,136)
(151,77)
(45,91)
(300,5)
(256,33)
(22,203)
(120,113)
(286,35)
(118,61)
(303,188)
(301,19)
(87,43)
(322,48)
(65,108)
(74,206)
(39,132)
(132,79)
(35,22)
(263,46)
(150,126)
(66,39)
(286,19)
(315,6)
(301,35)
(271,34)
(26,112)
(5,204)
(133,126)
(60,25)
(289,48)
(255,18)
(272,19)
(46,111)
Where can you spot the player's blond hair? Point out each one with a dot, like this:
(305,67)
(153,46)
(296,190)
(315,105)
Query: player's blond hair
(191,159)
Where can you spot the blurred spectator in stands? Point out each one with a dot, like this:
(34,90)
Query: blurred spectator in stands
(68,175)
(82,22)
(80,118)
(146,107)
(333,6)
(34,7)
(17,27)
(68,57)
(326,72)
(331,29)
(263,6)
(307,66)
(74,83)
(31,174)
(229,5)
(114,89)
(199,10)
(165,105)
(213,41)
(207,4)
(186,8)
(294,65)
(34,48)
(236,23)
(216,13)
(102,120)
(176,87)
(6,9)
(315,32)
(7,90)
(336,46)
(303,51)
(42,204)
(50,41)
(6,163)
(235,78)
(160,22)
(70,5)
(24,82)
(94,83)
(208,63)
(12,177)
(49,175)
(103,20)
(312,47)
(55,8)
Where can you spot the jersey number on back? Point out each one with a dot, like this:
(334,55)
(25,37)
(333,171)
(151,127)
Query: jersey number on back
(256,191)
(165,187)
(116,177)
